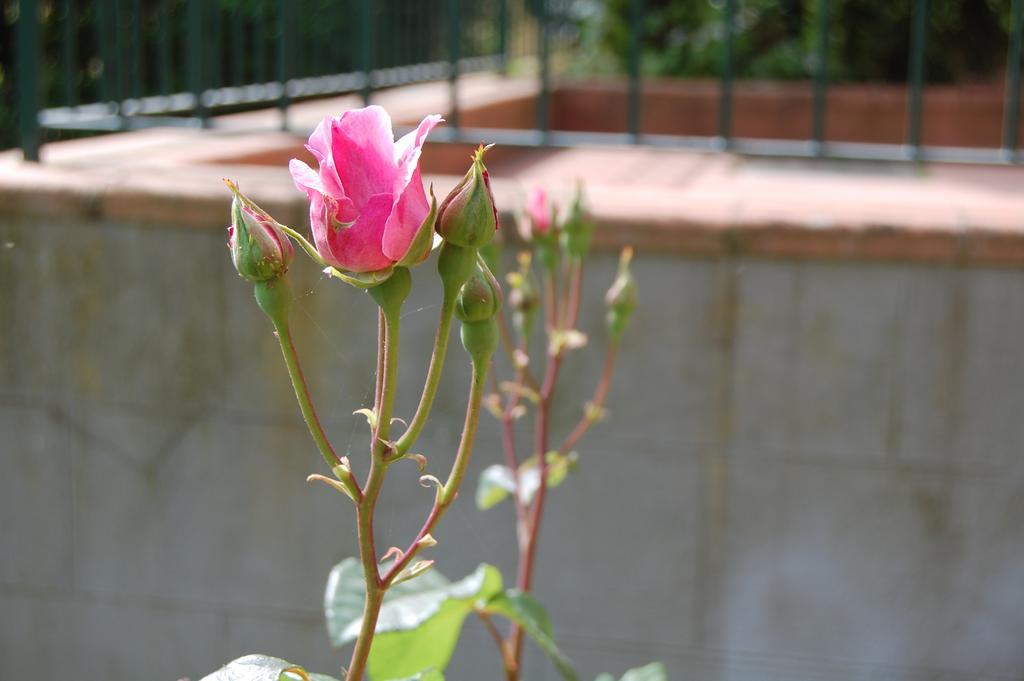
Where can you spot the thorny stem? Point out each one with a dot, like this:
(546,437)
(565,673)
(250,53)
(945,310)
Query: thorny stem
(388,344)
(446,494)
(528,552)
(600,395)
(509,444)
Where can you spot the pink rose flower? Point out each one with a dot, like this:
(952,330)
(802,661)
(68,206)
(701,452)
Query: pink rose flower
(366,201)
(537,220)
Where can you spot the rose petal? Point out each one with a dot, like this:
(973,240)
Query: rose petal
(362,152)
(305,178)
(320,146)
(358,248)
(406,217)
(408,148)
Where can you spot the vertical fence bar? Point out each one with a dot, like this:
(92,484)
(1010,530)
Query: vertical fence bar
(503,36)
(164,33)
(283,65)
(544,100)
(820,81)
(28,78)
(1011,110)
(68,51)
(102,27)
(195,49)
(633,100)
(137,54)
(454,36)
(214,43)
(239,55)
(725,98)
(120,59)
(918,37)
(366,47)
(260,44)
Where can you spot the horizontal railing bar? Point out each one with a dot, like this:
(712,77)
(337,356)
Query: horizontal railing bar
(854,151)
(259,93)
(115,123)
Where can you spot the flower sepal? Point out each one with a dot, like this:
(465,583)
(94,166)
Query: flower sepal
(364,280)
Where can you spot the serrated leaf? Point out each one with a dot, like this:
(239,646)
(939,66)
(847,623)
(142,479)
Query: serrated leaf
(655,671)
(419,623)
(559,466)
(495,485)
(260,668)
(527,612)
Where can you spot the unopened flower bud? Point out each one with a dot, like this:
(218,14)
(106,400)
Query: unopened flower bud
(621,297)
(578,228)
(478,302)
(468,217)
(536,221)
(260,251)
(479,298)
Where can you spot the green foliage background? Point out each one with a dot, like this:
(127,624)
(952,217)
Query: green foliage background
(869,40)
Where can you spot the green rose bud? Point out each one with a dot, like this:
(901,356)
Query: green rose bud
(260,251)
(468,217)
(578,228)
(479,298)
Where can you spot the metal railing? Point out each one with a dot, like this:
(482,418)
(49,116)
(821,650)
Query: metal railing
(280,53)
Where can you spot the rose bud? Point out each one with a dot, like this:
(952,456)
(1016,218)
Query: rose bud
(479,298)
(621,297)
(260,251)
(468,216)
(367,206)
(478,303)
(578,227)
(536,220)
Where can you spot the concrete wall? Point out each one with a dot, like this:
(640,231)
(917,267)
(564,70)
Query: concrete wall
(812,470)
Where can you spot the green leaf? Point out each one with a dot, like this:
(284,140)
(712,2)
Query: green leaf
(262,668)
(428,675)
(418,631)
(527,612)
(419,623)
(346,591)
(496,483)
(655,671)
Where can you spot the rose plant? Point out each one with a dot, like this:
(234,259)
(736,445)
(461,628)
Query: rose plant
(371,222)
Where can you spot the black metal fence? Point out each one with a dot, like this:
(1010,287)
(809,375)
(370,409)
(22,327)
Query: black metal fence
(122,64)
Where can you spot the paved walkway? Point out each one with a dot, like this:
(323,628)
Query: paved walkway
(682,201)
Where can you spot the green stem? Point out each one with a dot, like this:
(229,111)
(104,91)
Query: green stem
(361,653)
(388,346)
(273,298)
(448,493)
(437,357)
